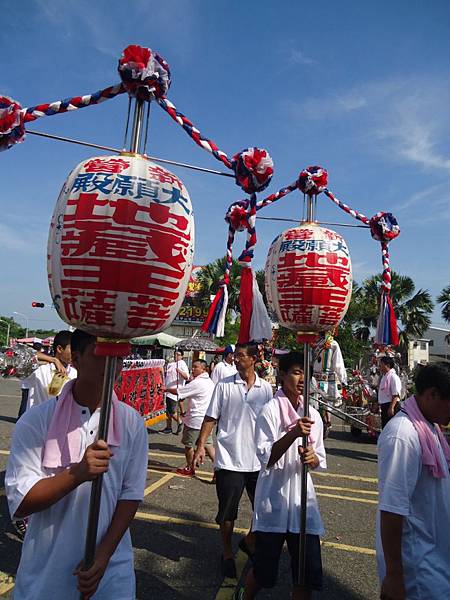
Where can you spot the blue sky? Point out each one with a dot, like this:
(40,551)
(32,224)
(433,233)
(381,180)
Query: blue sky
(360,88)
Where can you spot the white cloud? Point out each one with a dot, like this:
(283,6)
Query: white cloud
(14,239)
(408,117)
(297,57)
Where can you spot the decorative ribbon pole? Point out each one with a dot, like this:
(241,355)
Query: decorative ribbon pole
(112,351)
(306,400)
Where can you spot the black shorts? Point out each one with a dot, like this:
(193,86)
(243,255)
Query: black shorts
(229,487)
(171,406)
(267,556)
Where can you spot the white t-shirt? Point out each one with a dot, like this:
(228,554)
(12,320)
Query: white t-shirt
(407,488)
(222,370)
(55,539)
(278,491)
(38,383)
(173,379)
(236,410)
(198,392)
(390,385)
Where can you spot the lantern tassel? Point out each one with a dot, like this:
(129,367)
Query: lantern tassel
(246,304)
(260,324)
(387,331)
(215,320)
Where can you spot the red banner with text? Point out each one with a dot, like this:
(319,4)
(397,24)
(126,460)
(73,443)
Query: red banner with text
(140,385)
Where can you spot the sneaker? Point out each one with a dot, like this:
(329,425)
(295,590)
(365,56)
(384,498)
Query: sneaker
(186,472)
(228,567)
(179,428)
(165,431)
(21,528)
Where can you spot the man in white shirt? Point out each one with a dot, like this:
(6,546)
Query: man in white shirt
(235,405)
(198,392)
(389,389)
(177,373)
(51,465)
(276,519)
(226,367)
(413,520)
(47,380)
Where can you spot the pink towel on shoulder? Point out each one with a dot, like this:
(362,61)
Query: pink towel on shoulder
(431,457)
(62,446)
(289,415)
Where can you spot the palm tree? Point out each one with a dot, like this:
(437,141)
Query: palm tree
(444,299)
(412,309)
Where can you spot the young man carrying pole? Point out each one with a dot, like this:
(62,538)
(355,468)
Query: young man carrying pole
(54,457)
(279,431)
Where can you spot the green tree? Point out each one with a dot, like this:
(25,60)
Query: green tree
(15,330)
(444,299)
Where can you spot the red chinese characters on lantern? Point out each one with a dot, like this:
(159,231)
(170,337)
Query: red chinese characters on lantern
(309,278)
(120,248)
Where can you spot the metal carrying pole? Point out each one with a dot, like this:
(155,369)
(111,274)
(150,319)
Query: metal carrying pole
(96,489)
(107,391)
(304,473)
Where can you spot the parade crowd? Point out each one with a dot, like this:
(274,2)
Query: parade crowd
(246,415)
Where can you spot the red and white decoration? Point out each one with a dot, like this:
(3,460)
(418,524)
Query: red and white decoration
(309,279)
(120,247)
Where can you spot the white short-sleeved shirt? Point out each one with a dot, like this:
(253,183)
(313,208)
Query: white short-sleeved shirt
(407,488)
(173,379)
(278,491)
(38,383)
(390,385)
(55,538)
(236,410)
(198,392)
(222,370)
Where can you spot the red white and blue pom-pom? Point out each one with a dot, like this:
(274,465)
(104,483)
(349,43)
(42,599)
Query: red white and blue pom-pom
(144,73)
(384,227)
(313,180)
(237,215)
(253,169)
(12,129)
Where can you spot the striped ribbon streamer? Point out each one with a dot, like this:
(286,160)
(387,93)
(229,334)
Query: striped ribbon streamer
(193,132)
(61,106)
(346,208)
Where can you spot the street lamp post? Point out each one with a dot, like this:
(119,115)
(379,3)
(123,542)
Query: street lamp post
(22,315)
(8,330)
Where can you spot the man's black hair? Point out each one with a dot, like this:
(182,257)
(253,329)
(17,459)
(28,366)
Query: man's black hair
(202,362)
(81,340)
(251,349)
(388,361)
(180,351)
(436,375)
(62,338)
(286,361)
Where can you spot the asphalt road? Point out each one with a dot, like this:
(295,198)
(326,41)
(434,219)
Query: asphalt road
(177,545)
